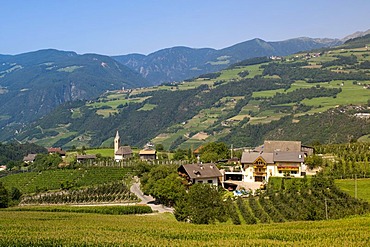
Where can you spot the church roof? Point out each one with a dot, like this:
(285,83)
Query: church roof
(124,150)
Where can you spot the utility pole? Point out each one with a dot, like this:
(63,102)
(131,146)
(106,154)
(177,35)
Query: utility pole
(232,150)
(326,208)
(356,186)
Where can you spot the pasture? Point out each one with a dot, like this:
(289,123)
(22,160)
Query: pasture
(348,185)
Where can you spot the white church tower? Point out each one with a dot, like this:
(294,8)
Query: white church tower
(117,142)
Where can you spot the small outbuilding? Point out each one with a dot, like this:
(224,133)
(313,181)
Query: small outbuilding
(148,154)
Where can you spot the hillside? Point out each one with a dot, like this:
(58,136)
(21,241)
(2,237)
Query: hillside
(312,97)
(32,84)
(180,63)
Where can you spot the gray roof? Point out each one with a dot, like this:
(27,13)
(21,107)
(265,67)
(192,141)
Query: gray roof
(124,150)
(250,157)
(29,157)
(86,156)
(281,146)
(202,170)
(271,158)
(289,157)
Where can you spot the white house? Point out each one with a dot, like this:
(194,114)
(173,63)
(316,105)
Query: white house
(260,166)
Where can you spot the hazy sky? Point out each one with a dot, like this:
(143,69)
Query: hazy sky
(115,27)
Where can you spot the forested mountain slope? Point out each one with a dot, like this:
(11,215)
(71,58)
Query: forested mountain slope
(180,63)
(314,97)
(32,84)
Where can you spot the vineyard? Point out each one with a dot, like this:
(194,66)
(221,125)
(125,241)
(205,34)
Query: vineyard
(346,160)
(299,200)
(73,229)
(32,182)
(117,192)
(109,209)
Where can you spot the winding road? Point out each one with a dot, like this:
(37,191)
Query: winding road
(148,200)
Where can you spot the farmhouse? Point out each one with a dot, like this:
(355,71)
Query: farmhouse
(274,158)
(59,151)
(201,173)
(121,152)
(86,157)
(30,158)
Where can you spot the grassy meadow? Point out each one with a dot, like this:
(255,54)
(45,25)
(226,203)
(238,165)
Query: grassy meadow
(73,229)
(348,185)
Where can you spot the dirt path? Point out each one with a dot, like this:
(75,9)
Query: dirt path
(148,200)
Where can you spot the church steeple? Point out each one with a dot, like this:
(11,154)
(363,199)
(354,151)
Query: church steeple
(117,142)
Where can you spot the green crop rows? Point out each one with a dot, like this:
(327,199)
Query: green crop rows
(73,229)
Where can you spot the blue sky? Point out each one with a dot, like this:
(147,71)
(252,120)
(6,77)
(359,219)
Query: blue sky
(115,27)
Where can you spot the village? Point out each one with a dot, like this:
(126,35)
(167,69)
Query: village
(250,172)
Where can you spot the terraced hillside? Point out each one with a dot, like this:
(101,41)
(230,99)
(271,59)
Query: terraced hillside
(313,97)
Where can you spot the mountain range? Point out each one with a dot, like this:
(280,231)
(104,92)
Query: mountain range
(312,96)
(180,63)
(34,83)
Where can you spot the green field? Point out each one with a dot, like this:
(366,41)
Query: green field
(365,138)
(72,229)
(363,187)
(105,152)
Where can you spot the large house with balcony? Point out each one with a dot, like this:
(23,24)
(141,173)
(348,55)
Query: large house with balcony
(259,167)
(272,159)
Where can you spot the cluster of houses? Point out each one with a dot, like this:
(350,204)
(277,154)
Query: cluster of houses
(272,159)
(120,153)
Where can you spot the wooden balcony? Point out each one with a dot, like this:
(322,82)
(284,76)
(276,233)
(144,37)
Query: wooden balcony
(259,174)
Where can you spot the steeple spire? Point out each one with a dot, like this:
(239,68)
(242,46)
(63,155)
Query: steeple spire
(117,142)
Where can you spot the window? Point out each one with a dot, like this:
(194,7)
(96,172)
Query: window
(210,181)
(293,172)
(200,182)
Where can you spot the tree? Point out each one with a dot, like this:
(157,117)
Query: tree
(4,196)
(214,151)
(169,190)
(46,161)
(313,161)
(15,194)
(159,147)
(202,205)
(164,184)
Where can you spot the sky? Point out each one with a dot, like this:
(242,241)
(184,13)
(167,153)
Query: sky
(119,27)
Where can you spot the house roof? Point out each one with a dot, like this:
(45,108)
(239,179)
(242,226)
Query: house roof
(289,156)
(250,157)
(271,158)
(124,150)
(147,152)
(86,156)
(29,157)
(202,170)
(282,146)
(56,150)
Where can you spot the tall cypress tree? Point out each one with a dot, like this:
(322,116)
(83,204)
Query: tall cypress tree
(4,197)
